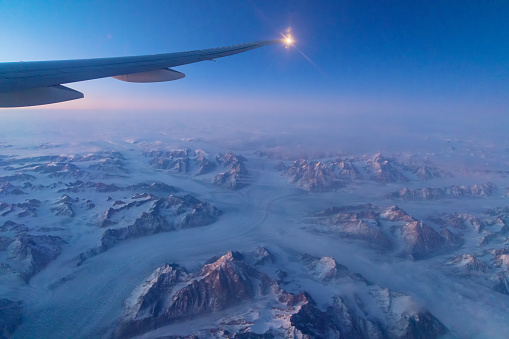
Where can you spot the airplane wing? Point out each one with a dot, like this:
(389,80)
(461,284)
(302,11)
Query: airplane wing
(40,82)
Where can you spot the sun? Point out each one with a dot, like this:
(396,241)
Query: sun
(288,40)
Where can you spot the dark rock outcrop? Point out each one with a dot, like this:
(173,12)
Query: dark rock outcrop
(29,254)
(10,317)
(205,165)
(424,172)
(386,228)
(468,264)
(6,188)
(501,284)
(23,209)
(17,177)
(402,321)
(453,191)
(310,322)
(164,215)
(422,241)
(154,187)
(80,186)
(361,222)
(11,226)
(162,218)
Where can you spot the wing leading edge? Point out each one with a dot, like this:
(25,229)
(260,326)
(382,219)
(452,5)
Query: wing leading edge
(40,82)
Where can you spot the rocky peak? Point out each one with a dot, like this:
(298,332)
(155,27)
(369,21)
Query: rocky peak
(64,206)
(262,256)
(161,282)
(227,259)
(236,175)
(468,263)
(405,318)
(326,268)
(384,170)
(312,176)
(453,191)
(345,169)
(225,282)
(7,188)
(11,226)
(394,213)
(421,240)
(230,158)
(502,260)
(29,254)
(174,160)
(205,165)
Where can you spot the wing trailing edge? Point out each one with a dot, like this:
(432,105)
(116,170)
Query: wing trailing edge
(40,82)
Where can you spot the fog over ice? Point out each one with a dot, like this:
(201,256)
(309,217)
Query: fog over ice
(343,127)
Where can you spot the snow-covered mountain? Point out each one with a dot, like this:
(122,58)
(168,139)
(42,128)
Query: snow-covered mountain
(171,294)
(189,239)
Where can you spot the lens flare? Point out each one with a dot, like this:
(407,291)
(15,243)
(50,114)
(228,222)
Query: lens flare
(287,40)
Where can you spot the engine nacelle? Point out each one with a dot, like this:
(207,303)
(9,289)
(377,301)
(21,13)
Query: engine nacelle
(38,96)
(157,75)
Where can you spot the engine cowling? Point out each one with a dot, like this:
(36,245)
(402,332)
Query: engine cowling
(38,96)
(157,75)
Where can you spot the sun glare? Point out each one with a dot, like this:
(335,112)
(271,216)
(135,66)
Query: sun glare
(287,40)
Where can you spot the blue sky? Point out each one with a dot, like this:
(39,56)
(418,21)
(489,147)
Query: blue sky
(362,56)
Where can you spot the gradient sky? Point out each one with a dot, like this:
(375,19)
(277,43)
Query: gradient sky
(447,57)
